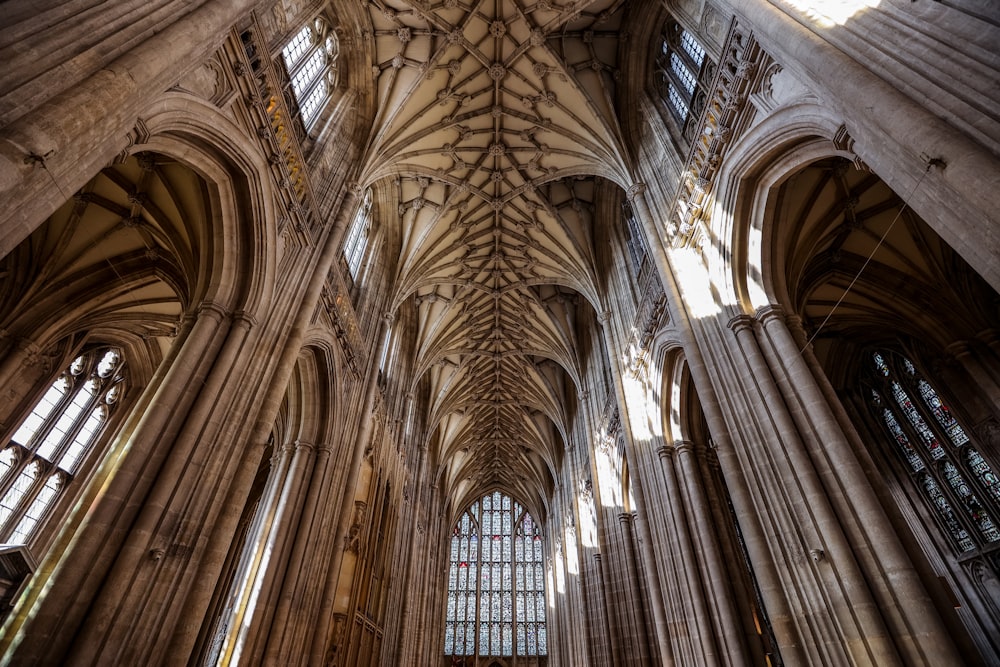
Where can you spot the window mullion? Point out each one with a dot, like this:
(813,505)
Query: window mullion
(17,512)
(74,430)
(22,458)
(76,383)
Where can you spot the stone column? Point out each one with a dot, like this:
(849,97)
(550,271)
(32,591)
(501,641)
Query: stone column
(917,627)
(845,623)
(634,592)
(77,568)
(605,649)
(668,555)
(289,630)
(362,439)
(693,612)
(653,577)
(716,579)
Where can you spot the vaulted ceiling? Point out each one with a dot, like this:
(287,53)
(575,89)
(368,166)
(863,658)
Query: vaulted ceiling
(496,119)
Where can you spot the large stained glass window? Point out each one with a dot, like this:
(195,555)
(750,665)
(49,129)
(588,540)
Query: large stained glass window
(46,451)
(958,485)
(496,596)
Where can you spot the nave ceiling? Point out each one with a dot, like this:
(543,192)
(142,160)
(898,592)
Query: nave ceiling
(495,123)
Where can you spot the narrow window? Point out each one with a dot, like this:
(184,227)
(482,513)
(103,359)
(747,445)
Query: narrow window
(47,448)
(634,239)
(496,575)
(310,59)
(357,236)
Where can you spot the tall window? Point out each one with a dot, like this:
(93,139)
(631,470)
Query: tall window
(634,238)
(357,236)
(48,447)
(682,74)
(960,488)
(311,62)
(496,597)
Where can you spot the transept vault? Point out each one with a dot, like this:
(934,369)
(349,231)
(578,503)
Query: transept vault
(500,333)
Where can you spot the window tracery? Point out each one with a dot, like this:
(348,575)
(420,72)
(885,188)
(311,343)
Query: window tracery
(682,73)
(49,445)
(957,483)
(310,59)
(357,236)
(496,596)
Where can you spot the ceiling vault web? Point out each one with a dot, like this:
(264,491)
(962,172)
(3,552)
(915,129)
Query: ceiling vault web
(495,118)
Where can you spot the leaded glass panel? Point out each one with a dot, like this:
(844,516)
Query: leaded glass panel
(61,429)
(983,472)
(954,478)
(502,601)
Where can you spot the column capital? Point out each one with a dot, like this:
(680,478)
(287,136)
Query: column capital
(635,190)
(959,349)
(741,323)
(684,446)
(303,444)
(772,311)
(244,319)
(990,336)
(625,518)
(665,452)
(217,310)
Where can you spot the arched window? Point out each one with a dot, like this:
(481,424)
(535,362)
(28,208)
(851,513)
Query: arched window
(357,236)
(682,74)
(959,487)
(310,59)
(48,447)
(496,594)
(634,238)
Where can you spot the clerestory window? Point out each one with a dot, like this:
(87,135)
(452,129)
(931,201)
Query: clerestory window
(634,238)
(52,442)
(357,236)
(496,595)
(310,59)
(682,73)
(959,487)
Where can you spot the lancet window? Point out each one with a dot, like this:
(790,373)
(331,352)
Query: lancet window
(496,574)
(634,238)
(356,242)
(310,59)
(959,487)
(682,74)
(51,443)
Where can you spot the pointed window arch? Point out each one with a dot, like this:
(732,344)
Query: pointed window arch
(356,242)
(310,59)
(496,575)
(959,487)
(682,74)
(49,446)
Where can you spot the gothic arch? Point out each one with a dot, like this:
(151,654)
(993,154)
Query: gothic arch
(239,266)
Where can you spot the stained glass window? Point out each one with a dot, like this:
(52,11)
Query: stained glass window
(957,483)
(310,59)
(50,443)
(506,600)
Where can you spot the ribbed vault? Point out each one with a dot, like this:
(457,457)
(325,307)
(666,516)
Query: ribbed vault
(494,120)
